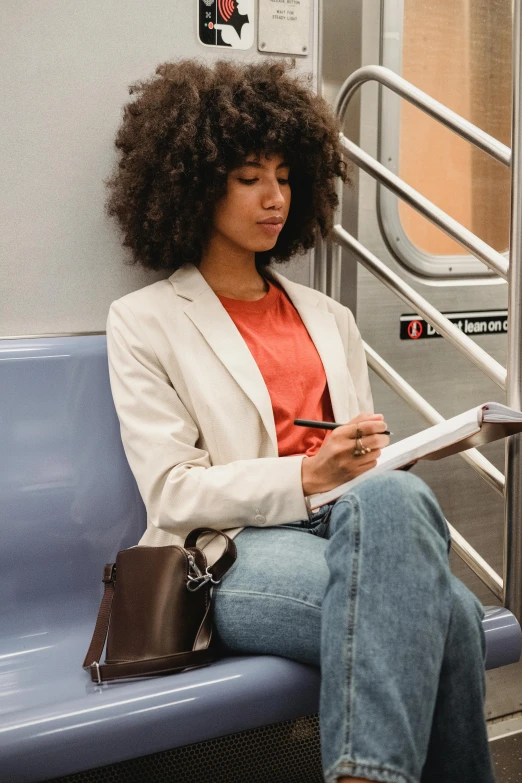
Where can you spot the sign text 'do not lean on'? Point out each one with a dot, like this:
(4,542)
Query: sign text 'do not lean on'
(482,322)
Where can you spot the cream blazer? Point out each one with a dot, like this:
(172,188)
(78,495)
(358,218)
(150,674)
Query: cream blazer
(195,415)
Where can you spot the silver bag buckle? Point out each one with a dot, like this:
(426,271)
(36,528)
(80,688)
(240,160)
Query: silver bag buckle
(200,579)
(96,666)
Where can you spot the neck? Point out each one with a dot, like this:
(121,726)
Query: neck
(231,271)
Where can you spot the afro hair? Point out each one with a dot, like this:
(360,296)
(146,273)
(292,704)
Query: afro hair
(189,125)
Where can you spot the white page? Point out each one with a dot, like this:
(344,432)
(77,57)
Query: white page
(409,449)
(495,411)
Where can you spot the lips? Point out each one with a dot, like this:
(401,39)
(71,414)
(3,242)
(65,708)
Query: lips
(272,229)
(271,221)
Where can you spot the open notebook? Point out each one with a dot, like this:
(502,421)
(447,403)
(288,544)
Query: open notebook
(483,424)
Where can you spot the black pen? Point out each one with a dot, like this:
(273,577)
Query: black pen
(325,425)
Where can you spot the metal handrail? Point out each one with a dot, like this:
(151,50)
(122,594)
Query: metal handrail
(422,101)
(443,325)
(476,246)
(391,377)
(478,462)
(508,588)
(473,457)
(428,105)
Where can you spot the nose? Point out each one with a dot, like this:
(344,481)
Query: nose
(273,195)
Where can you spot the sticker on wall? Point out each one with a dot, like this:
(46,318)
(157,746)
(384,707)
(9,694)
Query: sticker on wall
(284,26)
(477,322)
(228,23)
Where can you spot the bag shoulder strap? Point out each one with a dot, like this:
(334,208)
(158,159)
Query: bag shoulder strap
(102,621)
(227,558)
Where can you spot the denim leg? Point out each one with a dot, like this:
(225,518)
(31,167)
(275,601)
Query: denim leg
(386,624)
(269,602)
(317,524)
(458,748)
(398,638)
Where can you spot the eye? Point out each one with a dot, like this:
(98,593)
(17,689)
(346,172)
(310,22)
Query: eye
(247,181)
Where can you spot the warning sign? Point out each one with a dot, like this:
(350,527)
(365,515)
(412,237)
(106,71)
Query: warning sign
(415,329)
(228,23)
(477,322)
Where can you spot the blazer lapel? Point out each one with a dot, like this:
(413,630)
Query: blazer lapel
(209,316)
(322,328)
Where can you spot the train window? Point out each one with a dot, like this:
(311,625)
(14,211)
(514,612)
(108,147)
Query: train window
(459,52)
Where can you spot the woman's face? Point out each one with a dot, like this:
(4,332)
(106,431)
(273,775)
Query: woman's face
(257,191)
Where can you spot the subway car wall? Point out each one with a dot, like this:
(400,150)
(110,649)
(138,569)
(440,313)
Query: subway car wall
(66,72)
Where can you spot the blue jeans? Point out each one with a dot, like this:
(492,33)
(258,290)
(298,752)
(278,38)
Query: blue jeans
(370,598)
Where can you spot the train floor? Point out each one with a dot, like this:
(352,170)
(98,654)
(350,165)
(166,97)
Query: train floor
(507,757)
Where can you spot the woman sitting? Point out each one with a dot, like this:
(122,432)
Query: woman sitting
(225,173)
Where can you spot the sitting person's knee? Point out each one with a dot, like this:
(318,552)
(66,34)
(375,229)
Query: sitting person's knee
(401,501)
(396,488)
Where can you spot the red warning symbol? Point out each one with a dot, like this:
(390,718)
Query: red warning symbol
(415,330)
(226,8)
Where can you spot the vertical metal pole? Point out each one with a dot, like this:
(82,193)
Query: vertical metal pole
(320,265)
(319,273)
(315,261)
(335,275)
(334,250)
(513,507)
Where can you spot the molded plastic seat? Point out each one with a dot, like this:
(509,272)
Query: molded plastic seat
(68,504)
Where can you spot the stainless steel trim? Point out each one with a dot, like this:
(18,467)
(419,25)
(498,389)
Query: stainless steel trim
(319,47)
(48,334)
(315,261)
(449,225)
(461,341)
(513,508)
(424,102)
(320,265)
(391,377)
(333,250)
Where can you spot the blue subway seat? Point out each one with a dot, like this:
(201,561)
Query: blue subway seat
(68,504)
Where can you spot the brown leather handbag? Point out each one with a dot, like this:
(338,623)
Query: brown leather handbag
(158,602)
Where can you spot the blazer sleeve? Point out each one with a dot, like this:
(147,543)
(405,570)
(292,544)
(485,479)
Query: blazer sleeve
(358,366)
(179,486)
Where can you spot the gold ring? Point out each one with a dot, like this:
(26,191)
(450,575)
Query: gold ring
(366,450)
(360,449)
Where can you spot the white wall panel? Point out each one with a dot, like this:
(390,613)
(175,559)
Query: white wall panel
(66,68)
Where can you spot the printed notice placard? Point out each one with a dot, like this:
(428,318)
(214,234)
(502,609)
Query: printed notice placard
(473,322)
(284,26)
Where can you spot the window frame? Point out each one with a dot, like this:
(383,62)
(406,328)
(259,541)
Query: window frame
(443,270)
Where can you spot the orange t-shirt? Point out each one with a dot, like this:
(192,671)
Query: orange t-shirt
(290,365)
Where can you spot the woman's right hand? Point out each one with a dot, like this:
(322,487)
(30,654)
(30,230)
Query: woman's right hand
(335,462)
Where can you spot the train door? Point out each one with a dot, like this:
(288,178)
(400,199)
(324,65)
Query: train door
(460,53)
